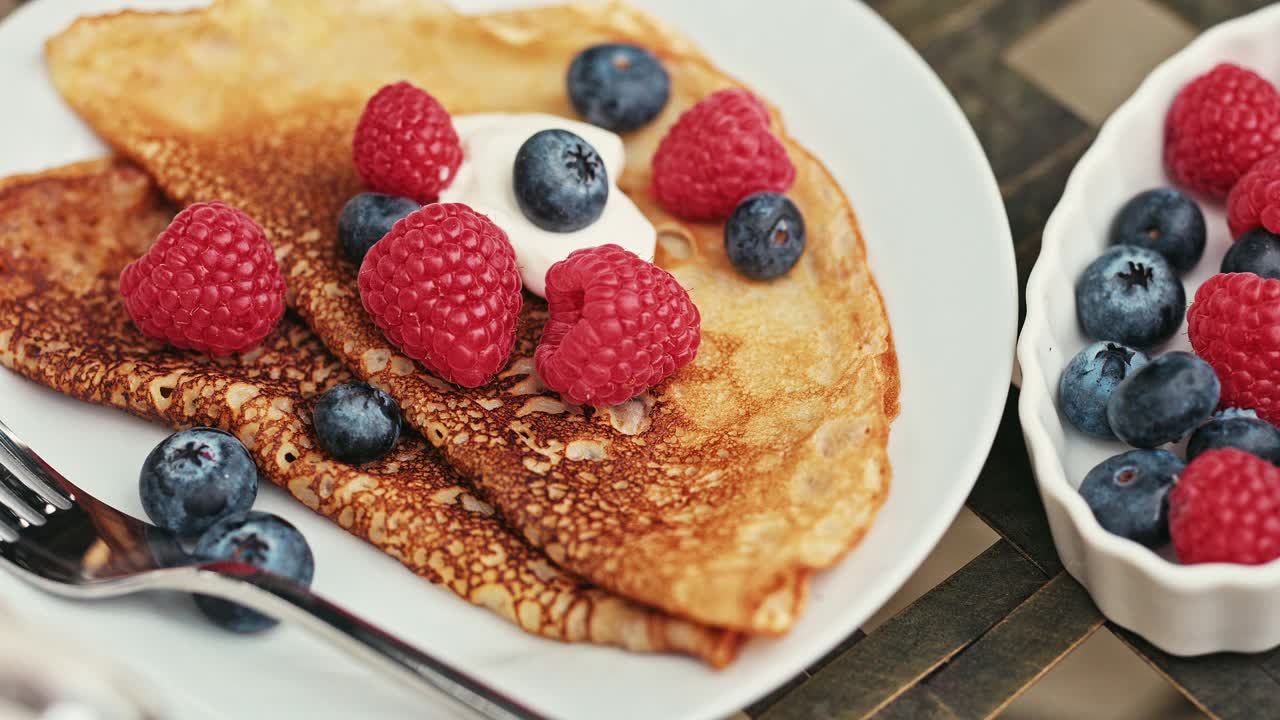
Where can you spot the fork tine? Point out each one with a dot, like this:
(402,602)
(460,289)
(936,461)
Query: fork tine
(28,496)
(10,498)
(32,471)
(9,525)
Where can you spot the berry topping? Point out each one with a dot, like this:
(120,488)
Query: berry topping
(260,539)
(1240,429)
(1163,401)
(1088,381)
(1234,325)
(209,283)
(1129,493)
(356,422)
(764,236)
(717,153)
(1226,508)
(560,181)
(1257,251)
(443,287)
(1254,201)
(366,218)
(1130,295)
(1163,220)
(618,326)
(1219,125)
(196,477)
(618,87)
(405,144)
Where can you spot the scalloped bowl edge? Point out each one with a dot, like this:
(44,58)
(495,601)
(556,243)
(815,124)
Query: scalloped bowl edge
(1183,610)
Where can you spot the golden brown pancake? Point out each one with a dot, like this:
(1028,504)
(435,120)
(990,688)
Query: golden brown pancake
(714,496)
(65,236)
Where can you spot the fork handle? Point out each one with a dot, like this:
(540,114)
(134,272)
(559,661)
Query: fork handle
(284,599)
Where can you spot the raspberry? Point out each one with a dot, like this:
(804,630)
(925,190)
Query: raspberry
(444,288)
(405,144)
(209,283)
(1234,325)
(1226,508)
(1219,125)
(1255,199)
(618,326)
(717,153)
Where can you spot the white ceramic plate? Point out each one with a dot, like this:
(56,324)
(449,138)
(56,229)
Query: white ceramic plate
(1186,610)
(854,92)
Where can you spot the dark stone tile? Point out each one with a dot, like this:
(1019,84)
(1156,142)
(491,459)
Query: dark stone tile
(1011,656)
(1223,685)
(1203,13)
(921,18)
(1030,198)
(1006,498)
(917,640)
(1016,122)
(836,651)
(758,708)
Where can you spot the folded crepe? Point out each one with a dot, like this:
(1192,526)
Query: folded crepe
(714,496)
(65,236)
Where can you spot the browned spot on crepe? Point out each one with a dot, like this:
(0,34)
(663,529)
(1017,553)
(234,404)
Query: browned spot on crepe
(715,496)
(64,239)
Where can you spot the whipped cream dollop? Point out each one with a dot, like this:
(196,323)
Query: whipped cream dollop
(484,182)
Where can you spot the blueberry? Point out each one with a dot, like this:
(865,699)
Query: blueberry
(1132,296)
(618,87)
(1257,251)
(1128,494)
(560,181)
(356,422)
(366,218)
(764,237)
(196,477)
(259,539)
(1234,412)
(1089,379)
(1163,401)
(165,547)
(1163,220)
(1242,430)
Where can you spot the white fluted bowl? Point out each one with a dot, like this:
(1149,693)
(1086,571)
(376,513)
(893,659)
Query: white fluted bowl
(1184,610)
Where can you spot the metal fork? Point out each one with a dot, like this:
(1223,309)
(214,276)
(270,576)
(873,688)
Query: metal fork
(64,541)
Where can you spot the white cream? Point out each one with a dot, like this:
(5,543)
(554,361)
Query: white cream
(484,181)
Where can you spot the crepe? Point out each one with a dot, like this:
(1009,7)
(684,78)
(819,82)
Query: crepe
(65,236)
(715,495)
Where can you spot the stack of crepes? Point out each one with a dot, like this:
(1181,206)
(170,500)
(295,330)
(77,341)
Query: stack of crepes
(680,521)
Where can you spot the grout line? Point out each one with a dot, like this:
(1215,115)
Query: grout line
(956,20)
(1045,164)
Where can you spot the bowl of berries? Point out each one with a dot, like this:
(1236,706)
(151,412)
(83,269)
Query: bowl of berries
(1150,354)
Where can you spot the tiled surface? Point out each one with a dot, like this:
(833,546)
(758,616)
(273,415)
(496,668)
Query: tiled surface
(1091,54)
(1036,78)
(962,542)
(1102,679)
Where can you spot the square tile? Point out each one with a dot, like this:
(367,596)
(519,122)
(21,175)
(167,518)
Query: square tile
(1092,54)
(1101,679)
